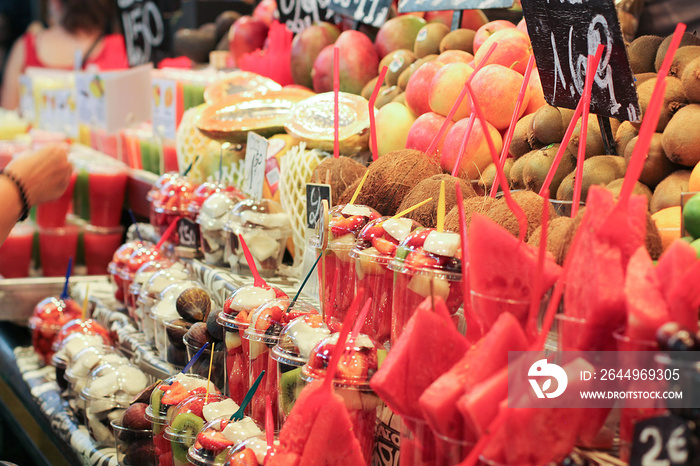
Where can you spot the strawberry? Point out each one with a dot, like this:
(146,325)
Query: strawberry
(384,246)
(419,259)
(314,320)
(279,293)
(374,230)
(353,367)
(213,440)
(343,226)
(174,395)
(195,406)
(244,458)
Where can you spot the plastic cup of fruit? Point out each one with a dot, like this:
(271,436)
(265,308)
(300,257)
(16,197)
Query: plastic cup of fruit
(296,341)
(359,362)
(213,217)
(85,327)
(263,334)
(234,320)
(141,276)
(205,190)
(69,347)
(56,247)
(46,321)
(486,305)
(16,251)
(216,439)
(134,446)
(418,443)
(201,366)
(376,245)
(141,255)
(100,244)
(265,227)
(426,263)
(336,269)
(164,311)
(150,294)
(174,198)
(83,362)
(252,451)
(185,422)
(119,259)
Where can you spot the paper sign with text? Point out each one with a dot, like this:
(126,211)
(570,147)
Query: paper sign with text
(255,160)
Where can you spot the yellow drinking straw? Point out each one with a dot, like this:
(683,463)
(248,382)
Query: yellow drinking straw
(441,209)
(411,209)
(359,188)
(211,362)
(85,301)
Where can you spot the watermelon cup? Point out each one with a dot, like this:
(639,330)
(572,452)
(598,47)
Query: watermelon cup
(359,362)
(46,322)
(218,437)
(418,443)
(16,251)
(296,341)
(426,262)
(250,452)
(114,268)
(164,400)
(263,333)
(185,422)
(376,245)
(234,318)
(142,275)
(213,217)
(265,227)
(170,203)
(336,270)
(108,392)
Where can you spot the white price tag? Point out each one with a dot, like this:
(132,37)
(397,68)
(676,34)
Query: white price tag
(90,99)
(27,106)
(255,159)
(164,105)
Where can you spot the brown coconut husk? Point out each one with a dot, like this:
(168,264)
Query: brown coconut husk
(392,176)
(557,231)
(426,214)
(531,204)
(339,173)
(480,204)
(349,191)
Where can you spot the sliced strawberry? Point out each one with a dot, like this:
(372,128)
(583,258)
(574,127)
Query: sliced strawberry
(314,320)
(195,406)
(343,226)
(419,259)
(213,440)
(372,231)
(279,293)
(227,306)
(223,423)
(268,316)
(353,367)
(244,458)
(174,395)
(384,246)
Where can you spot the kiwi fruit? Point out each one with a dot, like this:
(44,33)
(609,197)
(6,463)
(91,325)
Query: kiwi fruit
(594,140)
(428,39)
(674,100)
(557,230)
(683,57)
(340,173)
(290,385)
(547,126)
(566,116)
(530,202)
(687,39)
(367,90)
(641,77)
(392,176)
(681,138)
(396,62)
(185,425)
(615,187)
(489,175)
(408,72)
(599,170)
(426,214)
(539,164)
(520,144)
(459,39)
(401,98)
(516,171)
(656,166)
(668,192)
(690,80)
(642,53)
(387,94)
(624,134)
(155,404)
(480,204)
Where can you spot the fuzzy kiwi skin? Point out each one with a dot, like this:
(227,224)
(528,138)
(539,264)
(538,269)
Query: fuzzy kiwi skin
(547,126)
(520,144)
(674,100)
(489,175)
(657,166)
(641,77)
(538,166)
(690,81)
(687,39)
(594,140)
(403,57)
(615,187)
(459,39)
(624,134)
(599,170)
(668,192)
(681,138)
(516,171)
(683,57)
(642,53)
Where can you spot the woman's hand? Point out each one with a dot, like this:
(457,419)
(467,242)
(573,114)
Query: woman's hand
(45,173)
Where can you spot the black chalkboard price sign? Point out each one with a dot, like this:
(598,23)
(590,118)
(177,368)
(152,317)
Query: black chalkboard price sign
(563,34)
(315,193)
(664,440)
(372,12)
(409,6)
(188,233)
(145,31)
(297,15)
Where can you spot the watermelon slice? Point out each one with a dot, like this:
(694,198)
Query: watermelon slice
(428,347)
(501,265)
(486,357)
(678,273)
(646,306)
(479,407)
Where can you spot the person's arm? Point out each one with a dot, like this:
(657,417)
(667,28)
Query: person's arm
(44,175)
(10,79)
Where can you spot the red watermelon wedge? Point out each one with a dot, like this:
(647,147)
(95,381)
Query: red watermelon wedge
(646,306)
(479,406)
(503,266)
(485,358)
(428,347)
(678,273)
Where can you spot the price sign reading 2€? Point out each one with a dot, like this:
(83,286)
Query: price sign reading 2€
(662,441)
(563,34)
(255,159)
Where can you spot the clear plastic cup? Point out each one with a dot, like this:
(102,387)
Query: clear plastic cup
(46,322)
(201,366)
(418,443)
(263,333)
(218,437)
(118,263)
(170,203)
(265,227)
(251,451)
(100,243)
(134,446)
(84,327)
(16,251)
(141,276)
(164,311)
(359,362)
(150,293)
(296,341)
(107,185)
(213,217)
(563,208)
(205,190)
(488,307)
(56,247)
(53,214)
(69,347)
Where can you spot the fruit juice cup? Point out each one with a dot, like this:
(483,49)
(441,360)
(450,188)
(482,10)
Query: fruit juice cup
(426,263)
(100,243)
(336,269)
(359,362)
(106,187)
(46,321)
(375,247)
(250,452)
(118,263)
(265,227)
(185,422)
(131,148)
(134,446)
(418,443)
(16,251)
(53,214)
(201,366)
(217,437)
(234,320)
(292,351)
(142,275)
(263,334)
(150,154)
(170,162)
(56,247)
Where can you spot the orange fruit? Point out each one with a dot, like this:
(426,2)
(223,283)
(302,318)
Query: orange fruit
(694,181)
(668,222)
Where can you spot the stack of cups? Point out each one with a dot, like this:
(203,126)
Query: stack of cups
(16,251)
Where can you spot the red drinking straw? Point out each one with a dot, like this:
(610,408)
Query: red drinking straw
(536,297)
(372,124)
(336,91)
(257,279)
(167,233)
(463,146)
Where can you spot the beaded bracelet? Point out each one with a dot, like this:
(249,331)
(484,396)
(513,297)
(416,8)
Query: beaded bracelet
(22,193)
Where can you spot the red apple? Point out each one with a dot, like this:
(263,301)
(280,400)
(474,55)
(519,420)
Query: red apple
(523,27)
(446,86)
(496,89)
(424,130)
(266,11)
(451,56)
(513,51)
(477,155)
(246,35)
(536,93)
(418,87)
(485,31)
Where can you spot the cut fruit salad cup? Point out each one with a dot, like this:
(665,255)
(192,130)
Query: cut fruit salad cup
(213,215)
(359,362)
(218,437)
(336,270)
(150,292)
(427,263)
(263,333)
(118,264)
(296,341)
(46,322)
(169,203)
(251,452)
(141,255)
(234,318)
(376,245)
(142,275)
(72,345)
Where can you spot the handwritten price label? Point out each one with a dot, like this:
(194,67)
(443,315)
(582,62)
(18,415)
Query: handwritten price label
(315,194)
(408,6)
(255,160)
(298,15)
(662,441)
(144,30)
(188,233)
(372,12)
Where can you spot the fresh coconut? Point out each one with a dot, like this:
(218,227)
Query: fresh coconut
(426,214)
(557,231)
(480,204)
(340,173)
(530,202)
